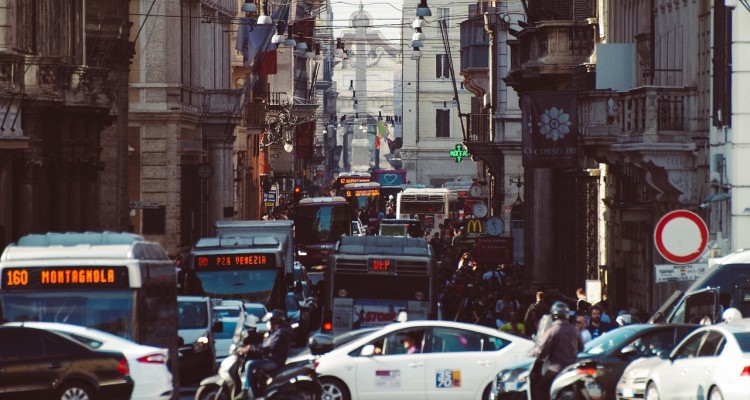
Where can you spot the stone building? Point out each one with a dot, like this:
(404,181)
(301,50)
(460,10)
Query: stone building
(63,116)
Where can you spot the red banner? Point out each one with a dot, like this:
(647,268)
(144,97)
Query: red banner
(305,135)
(493,249)
(550,130)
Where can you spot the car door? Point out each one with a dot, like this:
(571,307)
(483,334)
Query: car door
(713,344)
(26,371)
(458,362)
(391,373)
(676,376)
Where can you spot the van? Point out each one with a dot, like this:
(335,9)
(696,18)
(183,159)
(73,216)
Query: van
(196,329)
(724,284)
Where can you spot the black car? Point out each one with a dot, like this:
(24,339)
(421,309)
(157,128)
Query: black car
(38,364)
(610,353)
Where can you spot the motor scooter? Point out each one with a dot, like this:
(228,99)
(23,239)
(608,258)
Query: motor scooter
(294,381)
(577,381)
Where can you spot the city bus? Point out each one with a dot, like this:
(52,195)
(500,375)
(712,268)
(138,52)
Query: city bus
(115,282)
(319,222)
(430,205)
(371,279)
(346,178)
(247,265)
(364,199)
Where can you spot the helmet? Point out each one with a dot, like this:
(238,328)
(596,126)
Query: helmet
(559,310)
(275,317)
(731,314)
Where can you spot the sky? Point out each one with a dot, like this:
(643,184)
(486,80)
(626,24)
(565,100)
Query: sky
(386,15)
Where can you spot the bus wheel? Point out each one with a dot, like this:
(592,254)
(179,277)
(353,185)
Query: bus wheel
(75,391)
(334,389)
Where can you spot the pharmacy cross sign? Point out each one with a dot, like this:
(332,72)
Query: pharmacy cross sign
(459,153)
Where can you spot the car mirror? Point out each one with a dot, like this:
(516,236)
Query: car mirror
(321,343)
(664,355)
(367,351)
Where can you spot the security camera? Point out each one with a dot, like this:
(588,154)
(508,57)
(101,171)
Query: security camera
(731,4)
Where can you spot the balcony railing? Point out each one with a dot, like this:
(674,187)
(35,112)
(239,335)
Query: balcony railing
(556,44)
(648,114)
(478,127)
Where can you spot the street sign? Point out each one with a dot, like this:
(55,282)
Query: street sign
(674,273)
(143,204)
(269,198)
(493,249)
(681,236)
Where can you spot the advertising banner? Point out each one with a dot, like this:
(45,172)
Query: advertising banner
(550,130)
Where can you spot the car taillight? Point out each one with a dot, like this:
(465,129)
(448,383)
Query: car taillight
(745,371)
(153,359)
(123,368)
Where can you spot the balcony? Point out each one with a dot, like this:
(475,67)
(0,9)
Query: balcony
(653,127)
(478,128)
(475,55)
(550,50)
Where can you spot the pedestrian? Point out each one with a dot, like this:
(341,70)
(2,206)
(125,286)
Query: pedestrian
(557,348)
(437,245)
(597,327)
(582,325)
(513,325)
(539,308)
(582,304)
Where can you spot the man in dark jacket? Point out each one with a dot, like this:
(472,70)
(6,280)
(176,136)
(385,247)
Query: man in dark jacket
(556,348)
(271,354)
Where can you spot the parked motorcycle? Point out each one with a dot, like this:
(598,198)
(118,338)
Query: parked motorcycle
(577,382)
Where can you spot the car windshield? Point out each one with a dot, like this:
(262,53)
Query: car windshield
(608,341)
(192,314)
(226,312)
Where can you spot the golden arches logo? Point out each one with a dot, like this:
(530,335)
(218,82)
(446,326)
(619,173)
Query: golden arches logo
(474,226)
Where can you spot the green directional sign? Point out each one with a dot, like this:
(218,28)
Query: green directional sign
(459,153)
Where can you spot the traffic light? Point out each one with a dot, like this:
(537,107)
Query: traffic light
(297,193)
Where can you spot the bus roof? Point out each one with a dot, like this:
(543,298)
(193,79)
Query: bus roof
(361,185)
(426,190)
(345,174)
(316,200)
(85,245)
(386,245)
(238,242)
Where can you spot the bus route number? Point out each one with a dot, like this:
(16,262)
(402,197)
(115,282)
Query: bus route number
(17,277)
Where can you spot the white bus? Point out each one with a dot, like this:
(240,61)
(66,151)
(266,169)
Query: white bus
(114,282)
(430,205)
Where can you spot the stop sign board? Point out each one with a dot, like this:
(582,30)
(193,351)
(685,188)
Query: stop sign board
(681,236)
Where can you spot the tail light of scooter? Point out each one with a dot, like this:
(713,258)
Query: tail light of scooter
(745,371)
(586,370)
(327,325)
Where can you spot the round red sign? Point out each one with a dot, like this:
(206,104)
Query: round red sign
(681,236)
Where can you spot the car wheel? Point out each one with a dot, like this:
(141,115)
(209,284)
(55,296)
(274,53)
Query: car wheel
(75,391)
(334,389)
(487,392)
(715,394)
(651,392)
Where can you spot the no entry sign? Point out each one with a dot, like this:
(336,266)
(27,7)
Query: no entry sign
(681,236)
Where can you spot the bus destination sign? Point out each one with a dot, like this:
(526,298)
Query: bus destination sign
(343,180)
(235,261)
(80,277)
(382,265)
(362,192)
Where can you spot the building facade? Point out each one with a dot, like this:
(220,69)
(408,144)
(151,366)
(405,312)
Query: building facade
(63,116)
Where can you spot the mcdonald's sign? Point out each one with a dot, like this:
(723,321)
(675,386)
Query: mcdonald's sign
(474,227)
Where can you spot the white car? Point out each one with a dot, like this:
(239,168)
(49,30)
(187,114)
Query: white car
(712,362)
(148,364)
(452,360)
(632,383)
(223,340)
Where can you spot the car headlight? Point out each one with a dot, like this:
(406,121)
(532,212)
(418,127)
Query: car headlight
(201,344)
(301,253)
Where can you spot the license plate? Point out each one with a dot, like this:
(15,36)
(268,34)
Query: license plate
(594,390)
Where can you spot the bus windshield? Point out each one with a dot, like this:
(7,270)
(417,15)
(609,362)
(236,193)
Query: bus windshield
(248,285)
(321,223)
(110,311)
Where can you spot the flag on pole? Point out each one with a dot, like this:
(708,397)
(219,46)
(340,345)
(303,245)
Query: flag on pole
(550,130)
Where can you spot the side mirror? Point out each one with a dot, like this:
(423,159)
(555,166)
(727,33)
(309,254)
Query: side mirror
(217,327)
(367,351)
(320,343)
(664,355)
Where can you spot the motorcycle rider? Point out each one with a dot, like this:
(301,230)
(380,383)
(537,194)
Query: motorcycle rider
(556,348)
(271,354)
